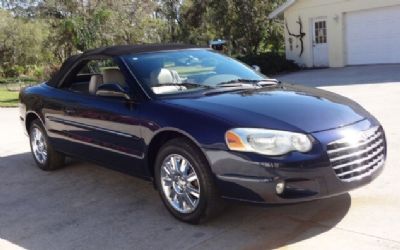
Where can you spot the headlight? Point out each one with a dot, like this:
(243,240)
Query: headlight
(267,142)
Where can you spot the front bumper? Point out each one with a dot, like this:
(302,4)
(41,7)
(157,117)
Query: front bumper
(253,178)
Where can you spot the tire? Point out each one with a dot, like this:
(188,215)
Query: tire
(43,152)
(177,189)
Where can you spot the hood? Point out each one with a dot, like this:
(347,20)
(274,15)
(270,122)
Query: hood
(285,107)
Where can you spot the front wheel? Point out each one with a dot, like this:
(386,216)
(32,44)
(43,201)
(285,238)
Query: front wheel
(185,182)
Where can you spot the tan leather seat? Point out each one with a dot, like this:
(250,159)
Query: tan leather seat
(161,76)
(164,76)
(114,76)
(94,83)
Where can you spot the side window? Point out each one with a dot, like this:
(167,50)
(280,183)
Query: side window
(91,74)
(97,66)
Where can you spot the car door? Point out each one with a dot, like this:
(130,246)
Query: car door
(102,129)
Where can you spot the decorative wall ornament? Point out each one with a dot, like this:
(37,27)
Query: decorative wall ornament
(298,36)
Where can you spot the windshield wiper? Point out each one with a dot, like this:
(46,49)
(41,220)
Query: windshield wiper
(243,82)
(269,81)
(184,84)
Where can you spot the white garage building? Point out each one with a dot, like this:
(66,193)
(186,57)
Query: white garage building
(337,33)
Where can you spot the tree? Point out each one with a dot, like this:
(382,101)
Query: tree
(244,24)
(21,41)
(82,25)
(43,32)
(169,10)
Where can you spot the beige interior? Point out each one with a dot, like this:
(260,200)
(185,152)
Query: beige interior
(95,82)
(114,76)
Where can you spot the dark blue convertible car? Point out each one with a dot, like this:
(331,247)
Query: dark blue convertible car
(203,127)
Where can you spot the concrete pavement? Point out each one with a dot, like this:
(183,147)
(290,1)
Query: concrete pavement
(84,206)
(367,74)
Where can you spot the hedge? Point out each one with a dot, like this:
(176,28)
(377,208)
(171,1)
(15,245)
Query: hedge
(270,63)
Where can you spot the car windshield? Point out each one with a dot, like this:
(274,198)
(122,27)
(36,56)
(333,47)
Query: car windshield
(174,72)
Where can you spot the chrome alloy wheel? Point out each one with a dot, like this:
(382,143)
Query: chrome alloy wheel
(39,147)
(180,183)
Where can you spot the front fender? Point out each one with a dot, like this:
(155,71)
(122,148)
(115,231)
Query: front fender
(205,130)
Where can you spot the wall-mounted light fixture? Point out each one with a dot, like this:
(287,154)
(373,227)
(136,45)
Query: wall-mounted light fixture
(336,18)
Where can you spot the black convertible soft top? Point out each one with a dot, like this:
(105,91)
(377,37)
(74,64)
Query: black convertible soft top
(113,51)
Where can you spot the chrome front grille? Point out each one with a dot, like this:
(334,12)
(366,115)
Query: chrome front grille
(357,156)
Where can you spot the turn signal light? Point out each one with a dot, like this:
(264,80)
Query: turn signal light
(234,142)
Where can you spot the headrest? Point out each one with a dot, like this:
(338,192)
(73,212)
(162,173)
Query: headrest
(161,76)
(95,81)
(113,76)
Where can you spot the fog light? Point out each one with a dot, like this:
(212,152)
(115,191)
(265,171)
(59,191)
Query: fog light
(280,187)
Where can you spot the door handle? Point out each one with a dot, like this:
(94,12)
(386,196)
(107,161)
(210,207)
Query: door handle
(70,111)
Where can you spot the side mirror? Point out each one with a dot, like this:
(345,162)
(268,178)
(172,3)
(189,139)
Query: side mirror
(256,68)
(112,90)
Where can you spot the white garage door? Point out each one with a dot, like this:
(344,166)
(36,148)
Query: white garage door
(373,36)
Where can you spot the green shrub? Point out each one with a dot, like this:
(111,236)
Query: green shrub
(38,73)
(50,70)
(13,71)
(270,63)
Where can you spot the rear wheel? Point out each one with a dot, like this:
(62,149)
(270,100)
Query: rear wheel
(185,182)
(43,152)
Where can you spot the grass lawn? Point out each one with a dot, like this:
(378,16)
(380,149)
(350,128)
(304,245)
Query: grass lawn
(9,89)
(11,80)
(8,98)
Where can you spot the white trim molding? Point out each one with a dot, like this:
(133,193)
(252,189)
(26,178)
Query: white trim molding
(281,9)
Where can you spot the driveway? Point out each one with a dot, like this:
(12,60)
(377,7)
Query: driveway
(368,74)
(84,206)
